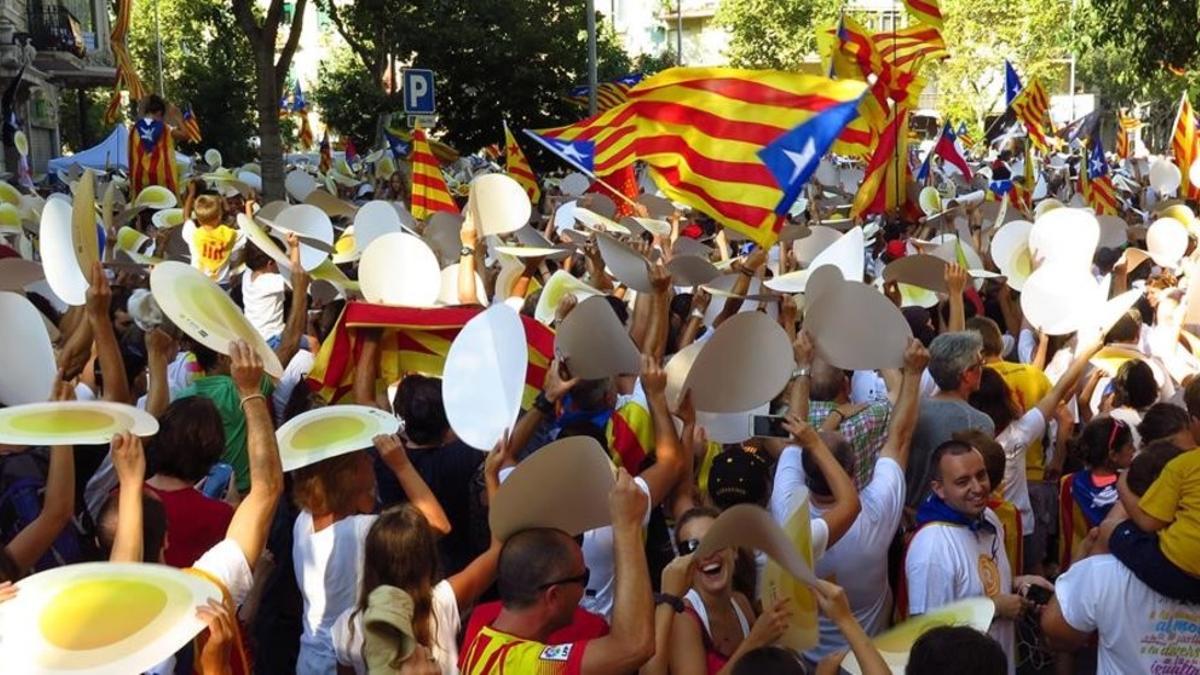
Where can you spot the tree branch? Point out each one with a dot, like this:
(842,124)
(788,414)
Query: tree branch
(293,39)
(245,19)
(357,46)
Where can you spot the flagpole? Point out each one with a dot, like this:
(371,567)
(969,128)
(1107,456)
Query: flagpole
(896,167)
(591,54)
(158,50)
(1175,123)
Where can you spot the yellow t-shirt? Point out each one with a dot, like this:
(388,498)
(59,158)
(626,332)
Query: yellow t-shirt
(493,652)
(211,248)
(1175,498)
(1028,385)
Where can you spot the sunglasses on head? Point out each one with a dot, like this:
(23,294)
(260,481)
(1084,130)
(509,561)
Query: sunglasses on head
(580,579)
(688,546)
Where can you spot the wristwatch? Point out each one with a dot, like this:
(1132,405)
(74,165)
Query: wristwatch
(466,251)
(802,371)
(674,601)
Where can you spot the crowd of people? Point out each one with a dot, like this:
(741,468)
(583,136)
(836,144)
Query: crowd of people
(994,460)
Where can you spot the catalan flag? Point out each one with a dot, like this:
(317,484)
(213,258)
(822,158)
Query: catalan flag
(906,47)
(1125,127)
(608,94)
(127,77)
(1184,145)
(429,191)
(326,152)
(885,185)
(926,11)
(306,133)
(191,126)
(842,46)
(1095,182)
(413,341)
(600,144)
(151,156)
(699,131)
(1012,83)
(1032,107)
(518,167)
(964,136)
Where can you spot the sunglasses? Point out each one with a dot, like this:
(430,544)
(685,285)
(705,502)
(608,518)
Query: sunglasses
(581,579)
(688,546)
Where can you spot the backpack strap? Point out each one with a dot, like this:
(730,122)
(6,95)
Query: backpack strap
(239,659)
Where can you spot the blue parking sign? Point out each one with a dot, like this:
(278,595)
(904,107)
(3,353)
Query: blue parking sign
(418,92)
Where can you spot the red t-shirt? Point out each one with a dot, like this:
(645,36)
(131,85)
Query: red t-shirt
(195,523)
(584,625)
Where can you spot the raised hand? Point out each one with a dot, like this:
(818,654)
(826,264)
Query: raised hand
(246,367)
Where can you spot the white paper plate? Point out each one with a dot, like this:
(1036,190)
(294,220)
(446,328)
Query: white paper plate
(484,376)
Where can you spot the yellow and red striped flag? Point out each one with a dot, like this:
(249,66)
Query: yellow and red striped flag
(517,166)
(1032,107)
(598,145)
(1184,146)
(191,126)
(127,77)
(926,11)
(413,341)
(152,156)
(885,184)
(908,46)
(429,191)
(306,133)
(1095,183)
(699,130)
(1126,125)
(326,153)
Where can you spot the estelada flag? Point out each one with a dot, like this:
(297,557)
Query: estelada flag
(326,152)
(414,340)
(152,156)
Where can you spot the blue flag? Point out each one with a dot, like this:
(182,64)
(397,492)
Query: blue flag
(580,154)
(398,146)
(1012,83)
(1097,166)
(298,102)
(793,157)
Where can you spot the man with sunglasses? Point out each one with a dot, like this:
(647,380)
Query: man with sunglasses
(542,577)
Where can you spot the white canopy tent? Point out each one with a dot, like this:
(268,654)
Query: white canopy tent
(111,153)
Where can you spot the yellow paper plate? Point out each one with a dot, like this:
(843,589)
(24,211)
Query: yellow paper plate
(331,431)
(165,219)
(72,423)
(21,141)
(202,310)
(9,194)
(896,644)
(156,197)
(100,618)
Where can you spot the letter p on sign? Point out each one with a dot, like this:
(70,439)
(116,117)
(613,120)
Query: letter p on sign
(418,92)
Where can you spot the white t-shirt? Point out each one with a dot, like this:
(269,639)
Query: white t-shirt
(785,498)
(328,566)
(858,561)
(598,556)
(262,300)
(348,633)
(1140,630)
(297,369)
(1015,440)
(944,563)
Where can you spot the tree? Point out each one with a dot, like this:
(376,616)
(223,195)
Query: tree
(778,34)
(270,75)
(350,98)
(206,63)
(495,60)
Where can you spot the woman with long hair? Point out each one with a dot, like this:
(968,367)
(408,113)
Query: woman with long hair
(400,568)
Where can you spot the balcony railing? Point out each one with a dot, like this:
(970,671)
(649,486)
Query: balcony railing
(56,29)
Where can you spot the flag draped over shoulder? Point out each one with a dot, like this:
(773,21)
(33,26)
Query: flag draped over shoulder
(926,11)
(414,341)
(1184,146)
(885,183)
(127,77)
(1095,182)
(429,191)
(152,156)
(608,94)
(517,166)
(699,131)
(191,126)
(1032,107)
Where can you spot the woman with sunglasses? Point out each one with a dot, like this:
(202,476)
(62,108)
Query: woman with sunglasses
(719,624)
(1085,497)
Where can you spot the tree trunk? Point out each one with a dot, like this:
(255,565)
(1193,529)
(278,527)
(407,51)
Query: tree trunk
(266,101)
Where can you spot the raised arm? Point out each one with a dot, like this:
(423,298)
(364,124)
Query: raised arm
(543,406)
(1067,383)
(159,347)
(99,298)
(659,315)
(366,369)
(846,506)
(392,452)
(695,318)
(58,502)
(798,397)
(904,416)
(297,319)
(956,282)
(747,269)
(252,519)
(129,459)
(662,477)
(467,293)
(189,200)
(630,642)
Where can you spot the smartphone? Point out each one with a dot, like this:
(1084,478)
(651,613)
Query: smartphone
(1038,595)
(217,481)
(769,426)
